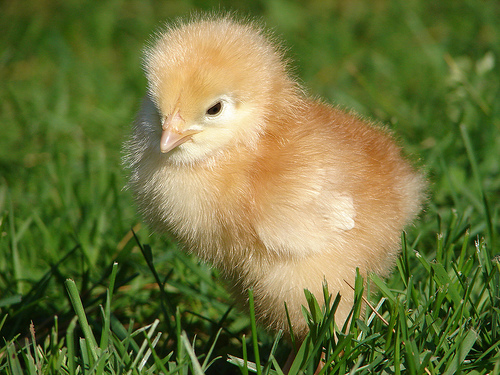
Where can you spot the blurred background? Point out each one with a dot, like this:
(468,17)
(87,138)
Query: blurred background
(71,81)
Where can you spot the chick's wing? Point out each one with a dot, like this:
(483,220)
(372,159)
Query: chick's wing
(299,210)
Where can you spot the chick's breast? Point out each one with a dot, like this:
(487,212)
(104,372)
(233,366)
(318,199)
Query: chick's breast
(279,191)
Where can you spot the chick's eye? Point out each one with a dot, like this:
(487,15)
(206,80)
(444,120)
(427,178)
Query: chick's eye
(215,109)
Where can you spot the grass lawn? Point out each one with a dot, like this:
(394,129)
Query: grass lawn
(80,294)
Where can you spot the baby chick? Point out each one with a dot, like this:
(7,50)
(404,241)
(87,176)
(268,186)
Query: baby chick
(278,190)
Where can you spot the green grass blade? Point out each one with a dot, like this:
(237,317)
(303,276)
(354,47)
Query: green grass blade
(13,360)
(462,348)
(70,343)
(253,326)
(82,318)
(190,350)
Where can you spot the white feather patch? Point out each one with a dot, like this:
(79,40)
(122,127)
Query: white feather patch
(341,212)
(308,226)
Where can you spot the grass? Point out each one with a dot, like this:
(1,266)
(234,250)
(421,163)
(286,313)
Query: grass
(79,293)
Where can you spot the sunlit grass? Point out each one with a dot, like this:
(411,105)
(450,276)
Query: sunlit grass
(71,83)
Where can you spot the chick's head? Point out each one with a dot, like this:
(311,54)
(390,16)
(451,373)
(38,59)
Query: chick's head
(213,84)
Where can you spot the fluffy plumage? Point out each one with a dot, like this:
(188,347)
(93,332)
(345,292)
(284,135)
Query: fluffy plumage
(278,190)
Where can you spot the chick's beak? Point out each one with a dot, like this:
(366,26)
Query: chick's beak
(173,133)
